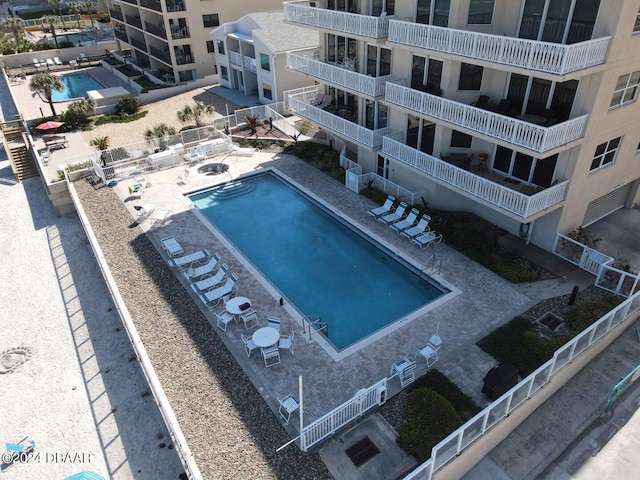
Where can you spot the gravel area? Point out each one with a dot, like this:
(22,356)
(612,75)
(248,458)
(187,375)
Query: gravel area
(230,430)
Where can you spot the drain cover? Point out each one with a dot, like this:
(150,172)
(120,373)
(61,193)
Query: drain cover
(361,451)
(13,358)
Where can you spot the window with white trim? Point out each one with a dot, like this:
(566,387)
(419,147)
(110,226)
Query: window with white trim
(264,62)
(480,12)
(266,91)
(626,89)
(605,154)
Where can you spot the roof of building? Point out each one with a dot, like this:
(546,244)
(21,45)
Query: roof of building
(280,36)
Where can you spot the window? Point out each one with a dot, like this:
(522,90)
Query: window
(264,62)
(211,20)
(605,154)
(636,27)
(480,12)
(223,72)
(210,47)
(470,77)
(626,89)
(460,140)
(220,47)
(266,91)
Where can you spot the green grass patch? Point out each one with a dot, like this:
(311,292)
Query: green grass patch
(119,119)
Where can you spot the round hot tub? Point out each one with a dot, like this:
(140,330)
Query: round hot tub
(213,168)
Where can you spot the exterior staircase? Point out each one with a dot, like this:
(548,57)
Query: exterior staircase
(22,162)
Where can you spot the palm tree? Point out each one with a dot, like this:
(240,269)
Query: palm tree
(51,21)
(15,24)
(101,144)
(195,113)
(76,7)
(57,5)
(43,84)
(89,5)
(159,131)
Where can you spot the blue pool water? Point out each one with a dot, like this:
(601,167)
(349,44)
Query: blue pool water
(320,265)
(74,38)
(75,86)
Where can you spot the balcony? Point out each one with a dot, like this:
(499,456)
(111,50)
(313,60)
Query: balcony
(183,59)
(301,105)
(512,202)
(176,7)
(152,5)
(249,63)
(134,21)
(178,32)
(132,2)
(139,44)
(155,30)
(344,22)
(337,75)
(235,58)
(160,55)
(553,58)
(516,132)
(121,34)
(116,14)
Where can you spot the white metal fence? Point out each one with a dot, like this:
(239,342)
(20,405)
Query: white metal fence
(475,428)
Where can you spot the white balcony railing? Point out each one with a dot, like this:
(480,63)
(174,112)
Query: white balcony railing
(345,22)
(336,75)
(250,63)
(498,195)
(235,58)
(546,57)
(300,104)
(527,135)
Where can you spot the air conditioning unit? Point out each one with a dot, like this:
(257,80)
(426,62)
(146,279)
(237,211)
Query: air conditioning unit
(381,394)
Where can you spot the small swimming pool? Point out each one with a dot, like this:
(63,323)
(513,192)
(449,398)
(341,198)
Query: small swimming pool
(75,86)
(74,38)
(319,263)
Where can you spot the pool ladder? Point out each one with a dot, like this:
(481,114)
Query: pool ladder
(315,324)
(432,261)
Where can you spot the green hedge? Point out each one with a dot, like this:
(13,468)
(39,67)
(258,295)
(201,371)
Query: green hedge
(428,418)
(440,383)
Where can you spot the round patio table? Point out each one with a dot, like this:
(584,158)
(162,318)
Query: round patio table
(265,337)
(233,305)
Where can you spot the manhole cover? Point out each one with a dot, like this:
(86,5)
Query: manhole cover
(13,358)
(361,451)
(550,321)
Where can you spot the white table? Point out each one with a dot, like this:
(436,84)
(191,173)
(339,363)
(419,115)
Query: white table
(265,337)
(233,305)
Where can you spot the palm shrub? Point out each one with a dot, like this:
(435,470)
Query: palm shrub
(195,113)
(43,84)
(77,113)
(159,132)
(101,144)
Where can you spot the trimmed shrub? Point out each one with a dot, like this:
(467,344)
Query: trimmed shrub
(582,316)
(127,105)
(428,418)
(440,383)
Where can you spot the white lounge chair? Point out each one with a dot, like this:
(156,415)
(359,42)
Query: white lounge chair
(146,210)
(212,281)
(57,61)
(36,63)
(160,217)
(45,155)
(421,227)
(50,62)
(427,238)
(205,269)
(183,177)
(213,297)
(407,222)
(171,246)
(188,261)
(384,209)
(395,216)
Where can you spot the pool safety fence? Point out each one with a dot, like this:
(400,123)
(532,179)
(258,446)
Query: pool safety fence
(527,389)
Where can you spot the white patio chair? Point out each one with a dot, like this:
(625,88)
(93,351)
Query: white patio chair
(288,405)
(223,318)
(430,354)
(171,246)
(271,356)
(428,238)
(249,345)
(395,216)
(183,177)
(407,222)
(160,217)
(250,319)
(384,209)
(287,341)
(405,370)
(190,260)
(274,322)
(421,227)
(46,156)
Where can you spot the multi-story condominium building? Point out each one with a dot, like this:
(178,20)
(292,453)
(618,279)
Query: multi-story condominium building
(170,39)
(251,54)
(524,112)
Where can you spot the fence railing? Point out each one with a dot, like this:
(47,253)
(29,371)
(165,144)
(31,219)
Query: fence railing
(363,401)
(533,55)
(501,408)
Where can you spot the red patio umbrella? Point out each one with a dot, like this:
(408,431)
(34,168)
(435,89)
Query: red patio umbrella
(50,125)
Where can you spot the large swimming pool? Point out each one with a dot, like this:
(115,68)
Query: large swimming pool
(319,263)
(75,86)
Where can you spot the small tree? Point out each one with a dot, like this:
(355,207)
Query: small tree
(76,7)
(77,114)
(252,120)
(127,105)
(195,113)
(50,22)
(101,144)
(57,6)
(89,6)
(16,25)
(158,132)
(43,84)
